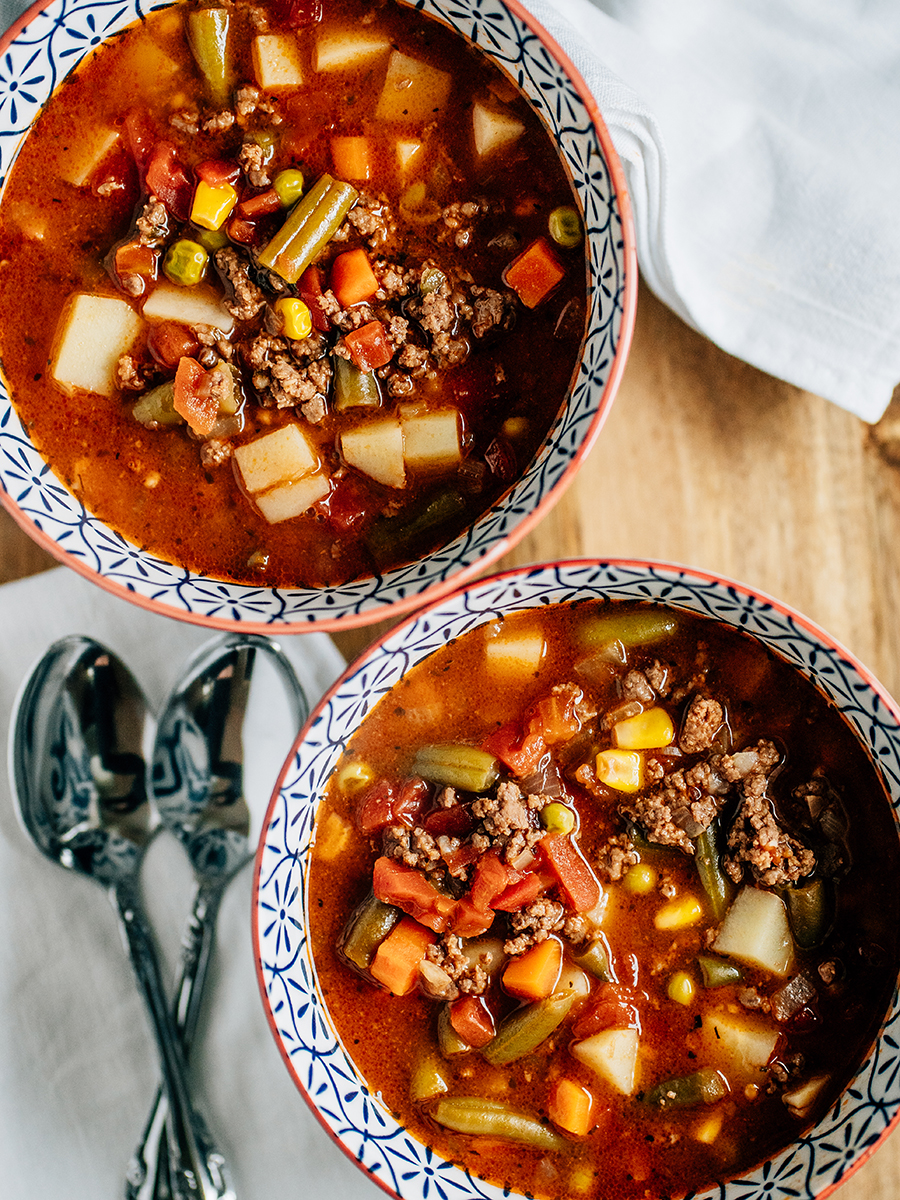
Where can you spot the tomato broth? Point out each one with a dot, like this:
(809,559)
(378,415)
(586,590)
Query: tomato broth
(252,405)
(604,902)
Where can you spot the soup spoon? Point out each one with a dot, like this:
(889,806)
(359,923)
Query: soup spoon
(78,778)
(197,784)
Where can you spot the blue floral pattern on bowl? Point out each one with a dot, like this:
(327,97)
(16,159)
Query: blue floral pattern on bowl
(318,1061)
(31,67)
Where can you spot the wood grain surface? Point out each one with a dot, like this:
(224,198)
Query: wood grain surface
(707,462)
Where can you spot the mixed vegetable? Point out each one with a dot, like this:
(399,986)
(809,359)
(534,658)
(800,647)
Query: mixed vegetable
(589,932)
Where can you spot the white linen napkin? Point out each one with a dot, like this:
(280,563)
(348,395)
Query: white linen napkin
(77,1063)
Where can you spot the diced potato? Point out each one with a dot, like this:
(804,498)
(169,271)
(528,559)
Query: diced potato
(341,51)
(515,653)
(409,152)
(801,1100)
(431,440)
(413,91)
(756,931)
(148,65)
(376,449)
(740,1044)
(277,457)
(333,837)
(493,129)
(277,61)
(94,332)
(80,163)
(288,500)
(187,305)
(611,1054)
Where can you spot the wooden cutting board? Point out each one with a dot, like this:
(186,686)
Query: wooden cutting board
(705,461)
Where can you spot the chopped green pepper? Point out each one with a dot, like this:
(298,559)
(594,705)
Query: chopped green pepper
(717,972)
(715,882)
(156,407)
(810,910)
(703,1087)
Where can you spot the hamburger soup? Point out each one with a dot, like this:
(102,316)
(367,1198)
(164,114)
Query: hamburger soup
(605,901)
(305,286)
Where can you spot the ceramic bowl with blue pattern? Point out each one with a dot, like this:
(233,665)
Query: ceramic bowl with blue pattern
(319,1062)
(35,56)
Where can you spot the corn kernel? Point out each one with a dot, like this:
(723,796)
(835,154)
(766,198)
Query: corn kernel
(557,817)
(185,263)
(647,730)
(212,204)
(353,777)
(709,1129)
(678,914)
(620,769)
(297,318)
(681,988)
(640,879)
(515,427)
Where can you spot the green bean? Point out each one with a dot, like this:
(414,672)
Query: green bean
(207,35)
(717,972)
(398,534)
(715,882)
(449,1041)
(428,1080)
(489,1118)
(310,226)
(369,925)
(525,1029)
(686,1091)
(628,629)
(354,388)
(810,911)
(156,407)
(595,959)
(459,766)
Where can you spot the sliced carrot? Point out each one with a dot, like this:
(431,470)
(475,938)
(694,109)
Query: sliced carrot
(576,880)
(472,1020)
(352,278)
(535,273)
(352,158)
(397,959)
(534,974)
(260,204)
(571,1107)
(468,921)
(409,890)
(520,893)
(199,410)
(369,346)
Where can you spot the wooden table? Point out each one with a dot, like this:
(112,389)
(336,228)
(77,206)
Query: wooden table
(707,462)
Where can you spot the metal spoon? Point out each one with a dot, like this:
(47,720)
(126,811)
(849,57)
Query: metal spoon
(78,775)
(197,783)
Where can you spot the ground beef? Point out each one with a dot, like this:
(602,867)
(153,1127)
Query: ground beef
(248,298)
(252,158)
(636,686)
(470,978)
(491,310)
(218,122)
(186,120)
(702,721)
(534,923)
(616,856)
(248,102)
(285,375)
(215,451)
(412,847)
(133,375)
(507,821)
(756,840)
(371,218)
(153,223)
(658,677)
(674,813)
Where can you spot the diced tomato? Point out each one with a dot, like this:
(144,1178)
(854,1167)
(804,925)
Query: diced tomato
(462,856)
(311,293)
(408,889)
(348,504)
(501,458)
(216,171)
(611,1007)
(456,821)
(492,878)
(407,808)
(141,136)
(573,874)
(296,14)
(472,1020)
(369,346)
(198,407)
(520,893)
(170,341)
(375,809)
(242,231)
(259,205)
(468,921)
(168,180)
(554,716)
(520,751)
(132,259)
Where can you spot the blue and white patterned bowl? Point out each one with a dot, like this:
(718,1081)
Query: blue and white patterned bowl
(320,1065)
(51,40)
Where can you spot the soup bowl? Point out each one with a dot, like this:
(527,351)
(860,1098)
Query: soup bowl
(295,967)
(47,45)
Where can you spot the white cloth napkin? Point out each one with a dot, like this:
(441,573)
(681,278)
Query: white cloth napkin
(77,1065)
(760,143)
